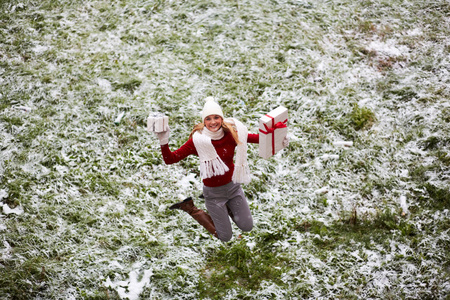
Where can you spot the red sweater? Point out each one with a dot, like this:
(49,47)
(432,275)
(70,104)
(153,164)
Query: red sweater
(225,149)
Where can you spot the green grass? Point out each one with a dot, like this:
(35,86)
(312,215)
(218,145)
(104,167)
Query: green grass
(362,118)
(26,280)
(238,266)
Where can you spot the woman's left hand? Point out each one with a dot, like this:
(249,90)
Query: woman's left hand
(285,141)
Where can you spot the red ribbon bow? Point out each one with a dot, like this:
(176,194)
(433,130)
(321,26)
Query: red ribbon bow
(272,130)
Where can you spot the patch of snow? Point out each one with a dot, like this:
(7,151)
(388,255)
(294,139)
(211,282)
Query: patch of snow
(40,49)
(61,169)
(323,190)
(131,289)
(18,210)
(414,32)
(6,251)
(187,181)
(343,143)
(3,194)
(389,48)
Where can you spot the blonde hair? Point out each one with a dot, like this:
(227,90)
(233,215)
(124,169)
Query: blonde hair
(227,127)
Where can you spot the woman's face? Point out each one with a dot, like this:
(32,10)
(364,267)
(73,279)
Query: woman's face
(213,122)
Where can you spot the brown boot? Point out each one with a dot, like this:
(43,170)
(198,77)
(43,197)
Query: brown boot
(199,215)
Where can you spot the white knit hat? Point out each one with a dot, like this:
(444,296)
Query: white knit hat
(211,107)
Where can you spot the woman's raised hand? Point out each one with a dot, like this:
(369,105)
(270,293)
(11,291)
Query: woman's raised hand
(163,136)
(285,141)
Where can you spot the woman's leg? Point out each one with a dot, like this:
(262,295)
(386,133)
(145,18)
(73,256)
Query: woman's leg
(238,206)
(199,215)
(215,201)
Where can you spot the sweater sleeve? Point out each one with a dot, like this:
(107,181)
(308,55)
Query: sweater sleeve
(184,151)
(253,138)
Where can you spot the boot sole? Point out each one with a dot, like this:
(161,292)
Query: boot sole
(177,205)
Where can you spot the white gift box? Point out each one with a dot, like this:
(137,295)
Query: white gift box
(157,122)
(272,132)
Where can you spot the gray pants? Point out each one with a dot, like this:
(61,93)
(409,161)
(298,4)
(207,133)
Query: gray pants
(224,201)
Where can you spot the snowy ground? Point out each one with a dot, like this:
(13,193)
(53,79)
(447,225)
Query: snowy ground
(356,207)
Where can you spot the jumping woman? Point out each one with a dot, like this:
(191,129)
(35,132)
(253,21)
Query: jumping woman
(214,141)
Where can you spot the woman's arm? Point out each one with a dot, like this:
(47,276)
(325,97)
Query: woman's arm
(253,138)
(184,151)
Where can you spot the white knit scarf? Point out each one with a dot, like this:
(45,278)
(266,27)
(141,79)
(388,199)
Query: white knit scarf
(210,162)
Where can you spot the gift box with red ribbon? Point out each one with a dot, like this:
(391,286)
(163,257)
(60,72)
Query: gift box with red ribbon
(272,131)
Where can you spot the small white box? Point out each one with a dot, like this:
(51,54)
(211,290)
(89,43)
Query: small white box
(157,122)
(272,132)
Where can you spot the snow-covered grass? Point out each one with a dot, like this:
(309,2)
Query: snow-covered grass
(356,207)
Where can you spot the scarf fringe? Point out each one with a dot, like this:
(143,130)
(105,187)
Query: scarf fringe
(241,174)
(213,167)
